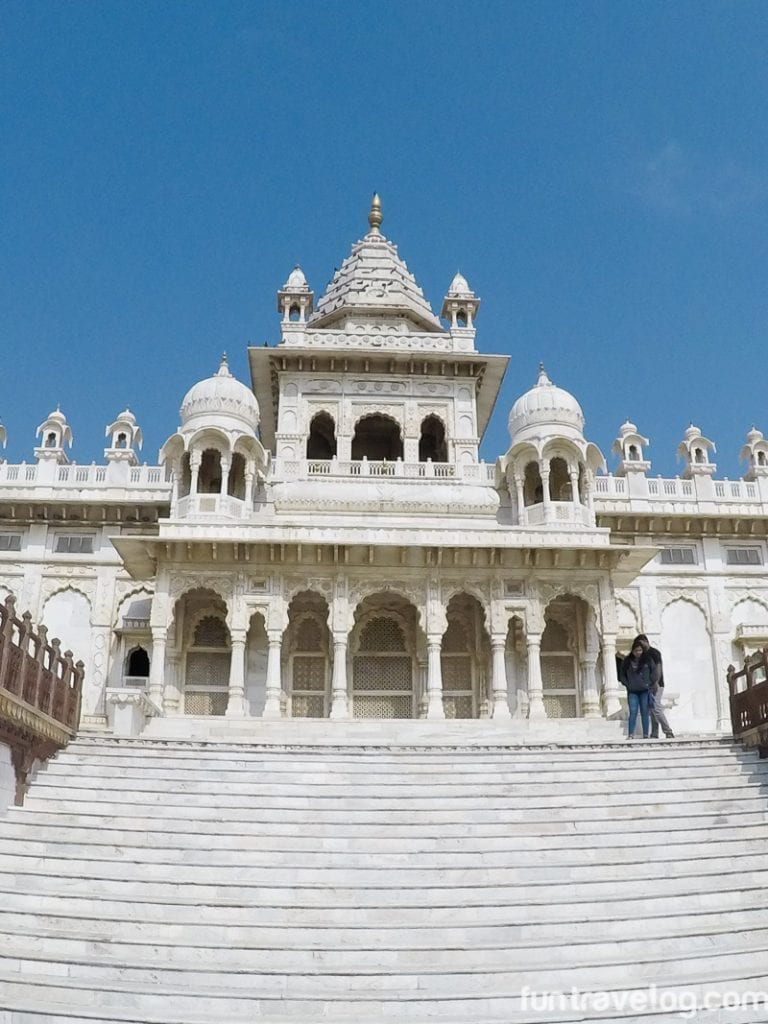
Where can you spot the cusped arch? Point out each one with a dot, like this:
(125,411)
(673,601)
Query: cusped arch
(61,588)
(471,590)
(669,599)
(124,603)
(364,591)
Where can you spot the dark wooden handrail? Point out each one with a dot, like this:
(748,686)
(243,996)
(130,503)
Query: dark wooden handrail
(748,691)
(40,692)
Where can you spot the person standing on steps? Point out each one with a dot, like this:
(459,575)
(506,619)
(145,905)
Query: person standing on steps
(639,673)
(658,717)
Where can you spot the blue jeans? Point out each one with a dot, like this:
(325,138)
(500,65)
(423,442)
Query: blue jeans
(639,702)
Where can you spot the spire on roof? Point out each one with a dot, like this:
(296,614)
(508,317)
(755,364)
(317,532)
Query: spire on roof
(375,216)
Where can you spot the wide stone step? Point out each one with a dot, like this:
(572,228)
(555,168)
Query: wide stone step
(704,926)
(488,854)
(418,873)
(458,981)
(645,839)
(498,825)
(283,958)
(183,1007)
(385,894)
(148,788)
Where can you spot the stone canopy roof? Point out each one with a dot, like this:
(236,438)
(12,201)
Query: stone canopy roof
(373,278)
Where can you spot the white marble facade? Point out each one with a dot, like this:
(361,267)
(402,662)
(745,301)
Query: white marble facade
(327,544)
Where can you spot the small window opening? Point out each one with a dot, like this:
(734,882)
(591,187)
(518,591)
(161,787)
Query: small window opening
(236,478)
(377,438)
(122,440)
(50,441)
(634,455)
(533,491)
(321,443)
(698,455)
(461,318)
(209,477)
(761,458)
(138,663)
(432,446)
(559,480)
(294,314)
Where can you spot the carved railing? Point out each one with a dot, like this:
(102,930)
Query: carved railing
(40,693)
(748,689)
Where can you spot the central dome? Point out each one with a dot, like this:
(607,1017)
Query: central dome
(221,394)
(545,410)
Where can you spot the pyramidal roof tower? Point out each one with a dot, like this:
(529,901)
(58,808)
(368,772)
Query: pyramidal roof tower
(374,279)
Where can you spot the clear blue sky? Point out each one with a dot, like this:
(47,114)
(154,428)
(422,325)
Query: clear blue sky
(598,171)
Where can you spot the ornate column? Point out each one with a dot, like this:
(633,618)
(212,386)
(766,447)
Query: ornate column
(611,685)
(574,474)
(339,695)
(194,472)
(236,702)
(273,682)
(535,682)
(157,665)
(499,677)
(225,462)
(522,515)
(435,707)
(590,697)
(171,690)
(544,472)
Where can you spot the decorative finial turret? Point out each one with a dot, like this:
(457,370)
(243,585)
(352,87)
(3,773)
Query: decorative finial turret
(224,370)
(543,378)
(375,216)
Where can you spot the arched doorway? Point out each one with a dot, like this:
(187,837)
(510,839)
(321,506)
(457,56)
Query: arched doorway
(377,438)
(307,650)
(199,645)
(432,446)
(464,656)
(321,443)
(569,649)
(383,645)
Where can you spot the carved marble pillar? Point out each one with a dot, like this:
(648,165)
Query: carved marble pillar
(535,682)
(499,677)
(157,665)
(236,701)
(273,681)
(226,465)
(611,684)
(545,492)
(590,697)
(194,470)
(171,689)
(339,694)
(435,707)
(522,513)
(574,474)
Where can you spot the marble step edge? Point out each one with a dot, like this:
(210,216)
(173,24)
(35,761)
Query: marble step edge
(420,874)
(291,859)
(382,898)
(50,945)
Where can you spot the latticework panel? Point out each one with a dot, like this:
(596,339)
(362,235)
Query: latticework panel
(455,638)
(562,706)
(201,703)
(308,673)
(382,673)
(207,668)
(382,706)
(382,634)
(458,706)
(457,672)
(307,705)
(557,673)
(309,636)
(211,632)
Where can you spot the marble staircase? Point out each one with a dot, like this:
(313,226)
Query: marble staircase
(172,882)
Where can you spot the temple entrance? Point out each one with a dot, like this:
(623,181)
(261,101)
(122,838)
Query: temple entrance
(568,644)
(206,654)
(464,656)
(383,674)
(307,644)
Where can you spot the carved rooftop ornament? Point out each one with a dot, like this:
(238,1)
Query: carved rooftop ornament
(545,411)
(220,395)
(374,279)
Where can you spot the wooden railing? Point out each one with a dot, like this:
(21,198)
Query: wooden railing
(40,693)
(748,690)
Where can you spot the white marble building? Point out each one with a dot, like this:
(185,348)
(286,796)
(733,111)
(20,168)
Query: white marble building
(327,543)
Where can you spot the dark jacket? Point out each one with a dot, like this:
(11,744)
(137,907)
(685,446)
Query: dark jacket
(638,677)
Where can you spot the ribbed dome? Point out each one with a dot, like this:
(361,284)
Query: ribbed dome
(296,281)
(459,286)
(221,394)
(545,410)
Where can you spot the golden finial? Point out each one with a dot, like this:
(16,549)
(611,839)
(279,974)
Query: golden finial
(375,216)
